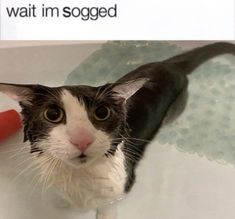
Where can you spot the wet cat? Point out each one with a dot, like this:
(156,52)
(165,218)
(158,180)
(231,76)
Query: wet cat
(88,141)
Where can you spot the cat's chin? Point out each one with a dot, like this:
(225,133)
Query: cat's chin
(80,162)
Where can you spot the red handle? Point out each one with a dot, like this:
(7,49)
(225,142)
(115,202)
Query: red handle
(10,123)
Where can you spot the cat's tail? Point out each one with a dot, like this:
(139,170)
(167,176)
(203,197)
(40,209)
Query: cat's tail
(188,61)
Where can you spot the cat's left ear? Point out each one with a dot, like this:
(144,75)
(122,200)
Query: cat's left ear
(127,89)
(20,93)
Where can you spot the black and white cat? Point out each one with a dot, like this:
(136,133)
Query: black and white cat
(87,141)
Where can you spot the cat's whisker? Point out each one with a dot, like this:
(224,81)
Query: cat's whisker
(11,154)
(43,177)
(95,98)
(24,161)
(32,167)
(36,177)
(48,183)
(131,158)
(23,172)
(105,92)
(136,149)
(13,144)
(17,155)
(53,166)
(47,165)
(132,150)
(50,92)
(133,154)
(133,147)
(13,149)
(22,148)
(129,138)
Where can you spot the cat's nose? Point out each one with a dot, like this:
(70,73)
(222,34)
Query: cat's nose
(82,145)
(82,139)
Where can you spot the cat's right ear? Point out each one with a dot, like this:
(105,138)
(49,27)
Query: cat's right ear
(129,88)
(20,93)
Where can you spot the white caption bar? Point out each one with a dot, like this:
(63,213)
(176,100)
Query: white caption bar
(117,19)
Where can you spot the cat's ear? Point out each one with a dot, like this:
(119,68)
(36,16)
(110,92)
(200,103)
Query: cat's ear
(20,93)
(127,89)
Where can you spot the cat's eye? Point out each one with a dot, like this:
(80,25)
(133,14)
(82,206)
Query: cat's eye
(54,114)
(102,113)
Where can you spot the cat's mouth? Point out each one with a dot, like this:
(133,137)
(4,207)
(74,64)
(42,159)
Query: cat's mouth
(82,158)
(79,160)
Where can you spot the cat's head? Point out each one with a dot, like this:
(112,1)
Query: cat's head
(75,124)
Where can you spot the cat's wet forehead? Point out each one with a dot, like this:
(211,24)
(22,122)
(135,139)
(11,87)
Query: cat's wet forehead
(63,96)
(74,106)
